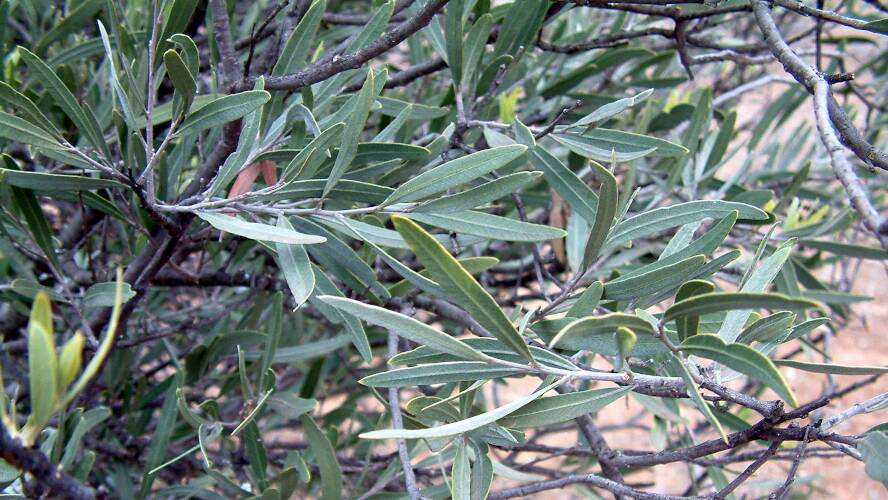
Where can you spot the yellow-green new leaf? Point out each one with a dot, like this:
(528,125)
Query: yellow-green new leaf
(92,368)
(42,363)
(740,358)
(459,286)
(70,360)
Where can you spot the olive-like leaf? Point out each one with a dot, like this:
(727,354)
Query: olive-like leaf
(260,232)
(454,173)
(563,407)
(460,286)
(740,358)
(406,327)
(707,303)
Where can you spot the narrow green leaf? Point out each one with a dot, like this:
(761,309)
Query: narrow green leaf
(71,23)
(325,455)
(295,51)
(655,282)
(563,407)
(575,192)
(105,295)
(84,119)
(439,373)
(846,250)
(585,329)
(740,358)
(611,109)
(473,49)
(260,232)
(161,438)
(273,325)
(363,100)
(461,426)
(873,446)
(878,26)
(707,303)
(406,327)
(26,204)
(459,285)
(767,328)
(461,474)
(190,53)
(296,266)
(756,280)
(179,13)
(24,132)
(587,148)
(482,473)
(42,181)
(453,35)
(604,214)
(831,368)
(454,173)
(479,195)
(307,351)
(660,219)
(588,301)
(486,345)
(489,226)
(223,110)
(26,107)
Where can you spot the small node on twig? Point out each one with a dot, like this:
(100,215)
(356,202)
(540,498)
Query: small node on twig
(838,78)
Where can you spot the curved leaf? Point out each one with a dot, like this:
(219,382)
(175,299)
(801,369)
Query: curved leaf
(740,358)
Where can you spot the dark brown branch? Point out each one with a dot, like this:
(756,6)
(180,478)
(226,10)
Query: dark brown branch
(34,462)
(318,72)
(407,75)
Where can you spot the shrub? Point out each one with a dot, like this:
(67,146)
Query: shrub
(368,249)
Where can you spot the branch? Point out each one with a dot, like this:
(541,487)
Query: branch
(808,76)
(394,401)
(592,479)
(828,114)
(318,72)
(407,75)
(33,461)
(222,32)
